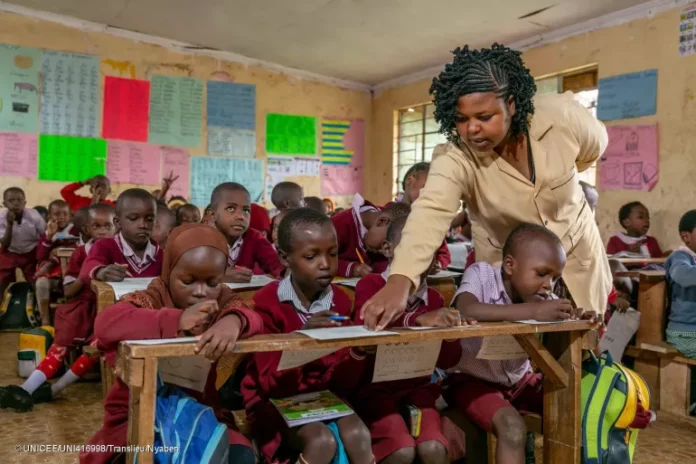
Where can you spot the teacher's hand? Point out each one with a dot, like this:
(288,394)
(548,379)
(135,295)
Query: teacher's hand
(387,304)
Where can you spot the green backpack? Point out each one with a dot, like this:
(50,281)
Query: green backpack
(610,394)
(18,309)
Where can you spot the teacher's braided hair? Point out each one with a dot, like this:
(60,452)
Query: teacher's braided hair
(498,69)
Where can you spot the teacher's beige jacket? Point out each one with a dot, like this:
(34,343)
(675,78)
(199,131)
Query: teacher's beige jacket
(565,139)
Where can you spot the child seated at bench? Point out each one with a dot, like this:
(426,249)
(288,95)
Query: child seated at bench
(634,217)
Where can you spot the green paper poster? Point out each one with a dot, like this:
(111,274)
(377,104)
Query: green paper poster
(287,134)
(19,88)
(176,111)
(70,159)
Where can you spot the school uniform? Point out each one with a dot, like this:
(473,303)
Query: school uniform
(621,242)
(21,254)
(680,272)
(254,252)
(66,238)
(259,220)
(75,201)
(379,405)
(282,312)
(350,232)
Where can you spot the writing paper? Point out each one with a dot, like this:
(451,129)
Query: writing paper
(231,142)
(70,94)
(185,371)
(288,134)
(126,109)
(630,161)
(18,154)
(444,275)
(163,341)
(133,163)
(500,347)
(231,105)
(208,172)
(257,281)
(627,96)
(398,361)
(130,285)
(292,359)
(342,156)
(19,88)
(176,111)
(70,159)
(620,330)
(337,333)
(290,169)
(177,161)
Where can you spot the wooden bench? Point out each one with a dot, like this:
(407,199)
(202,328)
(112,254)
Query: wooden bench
(559,359)
(63,255)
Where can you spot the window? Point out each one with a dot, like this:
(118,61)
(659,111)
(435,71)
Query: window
(416,137)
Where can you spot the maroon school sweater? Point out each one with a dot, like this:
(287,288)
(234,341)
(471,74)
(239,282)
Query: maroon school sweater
(257,252)
(349,241)
(109,251)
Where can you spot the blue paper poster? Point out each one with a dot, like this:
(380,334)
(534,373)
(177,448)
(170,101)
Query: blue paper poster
(209,172)
(627,96)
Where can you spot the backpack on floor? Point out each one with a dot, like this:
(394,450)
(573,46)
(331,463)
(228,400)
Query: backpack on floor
(33,346)
(18,307)
(610,395)
(187,431)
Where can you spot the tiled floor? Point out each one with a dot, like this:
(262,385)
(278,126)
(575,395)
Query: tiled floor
(77,414)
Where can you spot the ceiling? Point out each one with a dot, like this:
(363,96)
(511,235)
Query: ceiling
(366,41)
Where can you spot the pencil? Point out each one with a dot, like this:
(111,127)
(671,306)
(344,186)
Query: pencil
(362,261)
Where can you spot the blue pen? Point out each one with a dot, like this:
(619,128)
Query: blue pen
(339,318)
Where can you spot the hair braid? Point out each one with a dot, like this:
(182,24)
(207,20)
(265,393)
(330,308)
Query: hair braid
(498,69)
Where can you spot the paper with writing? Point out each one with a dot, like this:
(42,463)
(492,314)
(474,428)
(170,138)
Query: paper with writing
(630,161)
(627,96)
(288,134)
(133,163)
(70,159)
(406,360)
(501,347)
(240,143)
(208,172)
(18,154)
(342,156)
(231,105)
(292,359)
(130,285)
(185,371)
(620,329)
(176,111)
(687,30)
(19,88)
(292,169)
(177,161)
(338,333)
(126,109)
(257,281)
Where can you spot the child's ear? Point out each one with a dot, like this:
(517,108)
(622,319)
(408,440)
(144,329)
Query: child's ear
(684,236)
(508,264)
(387,250)
(283,257)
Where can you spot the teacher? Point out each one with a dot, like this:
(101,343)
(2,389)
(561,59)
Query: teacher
(511,160)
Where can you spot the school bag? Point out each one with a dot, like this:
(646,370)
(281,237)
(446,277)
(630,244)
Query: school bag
(18,307)
(33,346)
(186,431)
(610,394)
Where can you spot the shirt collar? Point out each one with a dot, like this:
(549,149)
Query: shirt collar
(500,286)
(150,250)
(687,250)
(287,294)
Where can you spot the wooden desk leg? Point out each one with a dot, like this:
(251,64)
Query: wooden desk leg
(651,305)
(562,427)
(141,414)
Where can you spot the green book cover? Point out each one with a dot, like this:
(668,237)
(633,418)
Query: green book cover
(311,407)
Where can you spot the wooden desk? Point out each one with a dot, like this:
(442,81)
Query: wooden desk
(639,261)
(63,255)
(559,359)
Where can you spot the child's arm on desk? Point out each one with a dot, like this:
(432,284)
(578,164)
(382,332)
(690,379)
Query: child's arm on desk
(681,270)
(469,306)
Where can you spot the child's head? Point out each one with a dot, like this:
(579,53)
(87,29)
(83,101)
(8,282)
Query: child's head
(99,221)
(136,212)
(101,185)
(316,204)
(286,195)
(275,223)
(591,195)
(687,229)
(79,220)
(165,222)
(188,214)
(43,212)
(533,260)
(414,181)
(14,199)
(634,218)
(377,233)
(329,205)
(194,264)
(230,205)
(307,245)
(393,236)
(59,212)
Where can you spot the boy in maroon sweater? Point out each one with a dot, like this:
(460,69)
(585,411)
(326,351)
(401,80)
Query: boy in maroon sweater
(230,206)
(99,187)
(305,299)
(361,232)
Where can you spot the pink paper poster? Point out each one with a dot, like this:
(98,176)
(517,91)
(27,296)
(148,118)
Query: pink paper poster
(18,154)
(176,160)
(342,156)
(630,162)
(133,163)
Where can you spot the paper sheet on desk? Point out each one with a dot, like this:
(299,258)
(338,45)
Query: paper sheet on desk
(620,329)
(501,347)
(257,281)
(444,275)
(398,361)
(348,282)
(163,341)
(338,333)
(534,321)
(185,371)
(292,359)
(130,285)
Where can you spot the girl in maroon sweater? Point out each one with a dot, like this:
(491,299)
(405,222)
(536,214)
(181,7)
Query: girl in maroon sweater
(230,210)
(635,219)
(188,299)
(305,299)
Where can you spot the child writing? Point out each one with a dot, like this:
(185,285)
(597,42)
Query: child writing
(165,222)
(361,233)
(635,219)
(99,188)
(491,393)
(73,321)
(231,207)
(188,214)
(287,195)
(188,299)
(304,299)
(20,230)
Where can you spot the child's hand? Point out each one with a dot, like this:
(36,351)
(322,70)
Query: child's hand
(99,195)
(582,315)
(220,338)
(444,317)
(553,310)
(361,270)
(195,318)
(168,181)
(435,268)
(622,304)
(238,275)
(112,273)
(635,248)
(11,217)
(51,229)
(322,320)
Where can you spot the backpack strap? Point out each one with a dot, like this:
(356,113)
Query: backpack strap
(593,424)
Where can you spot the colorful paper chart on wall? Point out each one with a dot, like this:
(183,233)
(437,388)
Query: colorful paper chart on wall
(208,172)
(18,154)
(630,162)
(133,163)
(627,96)
(687,30)
(288,134)
(19,88)
(303,171)
(176,111)
(70,94)
(126,108)
(176,162)
(70,159)
(231,119)
(342,156)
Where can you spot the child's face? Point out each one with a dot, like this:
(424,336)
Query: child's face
(313,260)
(100,224)
(102,186)
(534,270)
(296,200)
(389,246)
(197,276)
(414,183)
(377,234)
(136,221)
(274,229)
(14,201)
(60,215)
(638,222)
(689,239)
(189,215)
(164,224)
(232,214)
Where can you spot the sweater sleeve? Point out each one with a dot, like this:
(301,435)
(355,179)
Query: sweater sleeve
(43,249)
(69,194)
(443,256)
(366,288)
(98,257)
(267,257)
(654,248)
(614,246)
(682,270)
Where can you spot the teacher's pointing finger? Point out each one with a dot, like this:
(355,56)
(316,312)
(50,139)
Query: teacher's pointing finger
(387,304)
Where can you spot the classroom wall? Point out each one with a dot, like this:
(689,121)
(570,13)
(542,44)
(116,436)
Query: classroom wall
(275,92)
(639,45)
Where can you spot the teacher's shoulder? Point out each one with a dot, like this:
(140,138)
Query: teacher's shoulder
(555,106)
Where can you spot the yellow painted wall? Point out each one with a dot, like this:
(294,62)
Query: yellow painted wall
(635,46)
(275,92)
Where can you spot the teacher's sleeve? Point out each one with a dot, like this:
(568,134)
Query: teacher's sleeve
(589,132)
(431,215)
